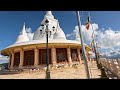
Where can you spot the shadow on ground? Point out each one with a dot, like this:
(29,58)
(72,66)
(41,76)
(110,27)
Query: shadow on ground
(9,72)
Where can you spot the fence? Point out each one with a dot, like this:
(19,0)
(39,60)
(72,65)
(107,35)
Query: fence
(113,65)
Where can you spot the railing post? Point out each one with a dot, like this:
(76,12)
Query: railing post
(114,67)
(102,69)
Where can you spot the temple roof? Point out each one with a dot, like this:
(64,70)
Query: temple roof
(43,41)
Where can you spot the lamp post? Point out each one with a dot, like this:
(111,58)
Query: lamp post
(47,50)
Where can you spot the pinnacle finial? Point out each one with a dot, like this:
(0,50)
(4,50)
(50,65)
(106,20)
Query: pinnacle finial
(24,23)
(49,13)
(23,31)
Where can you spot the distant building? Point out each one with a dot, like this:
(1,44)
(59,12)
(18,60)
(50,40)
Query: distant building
(29,50)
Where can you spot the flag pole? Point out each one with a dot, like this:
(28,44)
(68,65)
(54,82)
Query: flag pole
(83,47)
(94,45)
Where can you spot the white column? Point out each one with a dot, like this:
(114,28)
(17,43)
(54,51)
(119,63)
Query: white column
(21,58)
(53,56)
(36,57)
(12,59)
(79,56)
(69,56)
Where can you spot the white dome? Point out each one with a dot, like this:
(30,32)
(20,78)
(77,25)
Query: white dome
(37,35)
(30,36)
(22,38)
(59,34)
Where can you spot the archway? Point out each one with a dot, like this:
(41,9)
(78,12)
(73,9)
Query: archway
(16,59)
(42,56)
(28,58)
(61,54)
(74,55)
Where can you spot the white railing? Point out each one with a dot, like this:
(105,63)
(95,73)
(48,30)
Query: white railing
(112,65)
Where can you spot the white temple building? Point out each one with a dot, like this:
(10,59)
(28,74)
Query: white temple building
(29,50)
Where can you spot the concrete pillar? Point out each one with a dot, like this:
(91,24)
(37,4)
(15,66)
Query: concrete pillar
(12,59)
(79,56)
(21,58)
(53,56)
(9,63)
(69,56)
(36,57)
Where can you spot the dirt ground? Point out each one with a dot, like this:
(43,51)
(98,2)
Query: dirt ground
(77,72)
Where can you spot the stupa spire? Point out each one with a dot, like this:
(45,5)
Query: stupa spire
(49,14)
(23,30)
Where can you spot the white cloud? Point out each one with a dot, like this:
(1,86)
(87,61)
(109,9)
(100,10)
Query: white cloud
(106,39)
(86,33)
(3,57)
(109,39)
(71,36)
(28,30)
(30,34)
(112,54)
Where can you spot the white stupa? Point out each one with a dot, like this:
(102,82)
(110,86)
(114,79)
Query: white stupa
(57,33)
(29,50)
(30,36)
(49,15)
(39,36)
(23,37)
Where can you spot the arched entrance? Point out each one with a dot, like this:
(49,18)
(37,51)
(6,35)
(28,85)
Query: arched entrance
(74,55)
(16,59)
(42,56)
(61,54)
(28,58)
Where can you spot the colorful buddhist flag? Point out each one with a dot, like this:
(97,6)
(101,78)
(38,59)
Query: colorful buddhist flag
(91,44)
(93,49)
(88,23)
(92,34)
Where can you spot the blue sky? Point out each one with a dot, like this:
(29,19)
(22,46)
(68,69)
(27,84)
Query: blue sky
(11,23)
